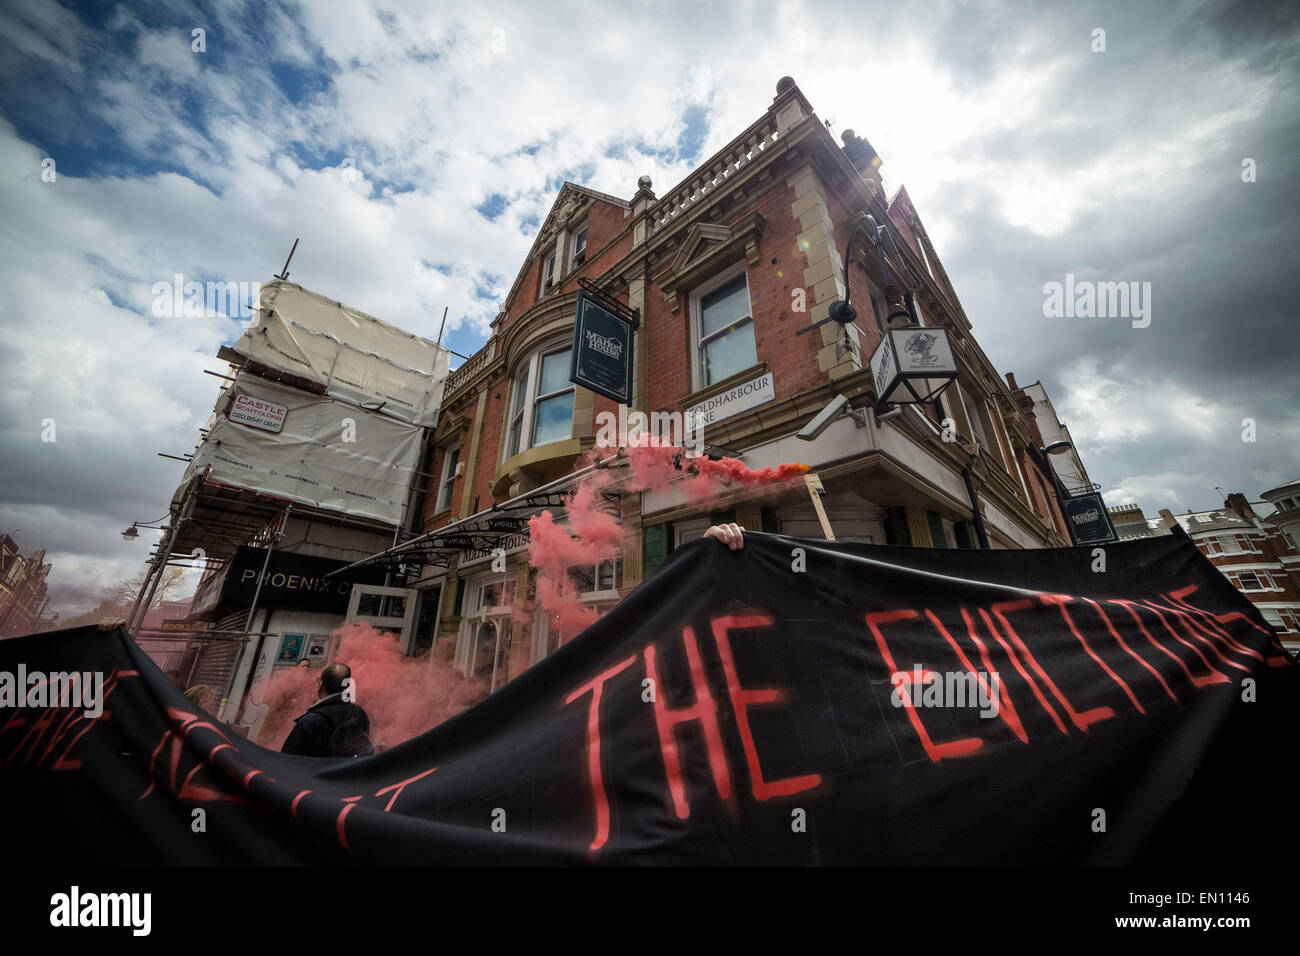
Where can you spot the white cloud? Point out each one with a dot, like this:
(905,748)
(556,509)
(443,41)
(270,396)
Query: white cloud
(217,162)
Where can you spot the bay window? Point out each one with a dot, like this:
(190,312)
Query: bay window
(448,479)
(541,403)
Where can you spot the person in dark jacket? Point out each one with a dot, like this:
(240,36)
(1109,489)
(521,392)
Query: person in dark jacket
(332,727)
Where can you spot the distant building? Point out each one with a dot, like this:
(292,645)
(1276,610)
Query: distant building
(23,591)
(1252,552)
(1129,522)
(1067,464)
(1286,500)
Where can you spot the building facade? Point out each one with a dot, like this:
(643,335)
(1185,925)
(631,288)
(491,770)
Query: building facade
(308,463)
(726,272)
(23,591)
(1285,516)
(1252,553)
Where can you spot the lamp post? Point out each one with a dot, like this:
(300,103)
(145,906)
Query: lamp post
(912,364)
(843,311)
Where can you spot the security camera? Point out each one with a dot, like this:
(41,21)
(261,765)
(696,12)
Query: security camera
(832,411)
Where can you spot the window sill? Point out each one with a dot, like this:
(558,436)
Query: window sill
(534,461)
(717,388)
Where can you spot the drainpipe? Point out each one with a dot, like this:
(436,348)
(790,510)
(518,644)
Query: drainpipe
(976,518)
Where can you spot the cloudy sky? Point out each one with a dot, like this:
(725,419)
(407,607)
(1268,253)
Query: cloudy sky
(415,146)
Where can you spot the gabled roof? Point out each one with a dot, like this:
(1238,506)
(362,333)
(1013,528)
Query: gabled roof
(570,202)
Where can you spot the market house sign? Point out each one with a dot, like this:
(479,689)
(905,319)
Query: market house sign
(602,349)
(257,413)
(737,399)
(1088,520)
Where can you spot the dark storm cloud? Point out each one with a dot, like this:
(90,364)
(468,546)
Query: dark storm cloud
(1219,253)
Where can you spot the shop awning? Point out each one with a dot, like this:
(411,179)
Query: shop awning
(504,525)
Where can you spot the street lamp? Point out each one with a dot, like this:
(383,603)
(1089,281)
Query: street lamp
(1057,448)
(130,534)
(843,311)
(912,364)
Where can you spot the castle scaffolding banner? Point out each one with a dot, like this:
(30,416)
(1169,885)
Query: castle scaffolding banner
(355,356)
(325,453)
(795,702)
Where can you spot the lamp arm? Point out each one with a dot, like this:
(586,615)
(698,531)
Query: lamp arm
(877,236)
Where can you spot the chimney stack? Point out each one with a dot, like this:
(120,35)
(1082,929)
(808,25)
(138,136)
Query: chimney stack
(863,157)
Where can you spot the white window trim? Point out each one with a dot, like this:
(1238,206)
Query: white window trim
(526,432)
(475,617)
(439,506)
(542,624)
(697,319)
(553,261)
(581,230)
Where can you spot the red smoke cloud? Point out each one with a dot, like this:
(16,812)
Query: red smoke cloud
(403,696)
(594,535)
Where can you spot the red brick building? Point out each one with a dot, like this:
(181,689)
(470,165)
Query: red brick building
(724,269)
(23,590)
(1252,552)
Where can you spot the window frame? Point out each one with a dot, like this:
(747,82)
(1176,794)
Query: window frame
(528,423)
(699,340)
(446,484)
(574,251)
(549,264)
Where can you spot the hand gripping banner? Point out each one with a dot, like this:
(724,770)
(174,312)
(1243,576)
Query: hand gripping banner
(794,702)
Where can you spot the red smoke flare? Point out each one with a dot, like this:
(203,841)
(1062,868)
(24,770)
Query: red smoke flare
(403,696)
(592,535)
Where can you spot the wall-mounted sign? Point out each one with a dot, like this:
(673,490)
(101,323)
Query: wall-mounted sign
(603,343)
(292,582)
(318,647)
(912,365)
(257,413)
(1088,520)
(737,399)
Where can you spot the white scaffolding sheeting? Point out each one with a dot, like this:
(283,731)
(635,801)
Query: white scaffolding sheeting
(328,454)
(355,356)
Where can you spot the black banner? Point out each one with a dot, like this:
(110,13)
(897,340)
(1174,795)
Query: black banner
(603,346)
(795,702)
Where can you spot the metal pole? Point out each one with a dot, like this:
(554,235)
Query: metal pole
(284,273)
(976,518)
(161,560)
(252,612)
(270,546)
(444,324)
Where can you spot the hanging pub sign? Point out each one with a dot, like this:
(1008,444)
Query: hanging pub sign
(1089,522)
(912,366)
(603,346)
